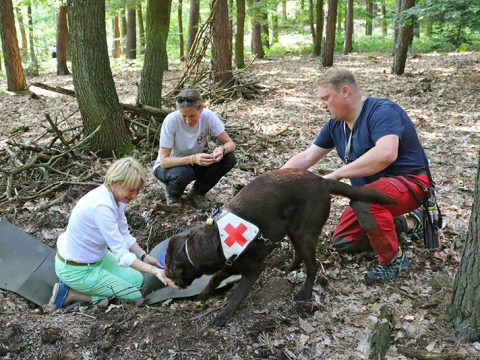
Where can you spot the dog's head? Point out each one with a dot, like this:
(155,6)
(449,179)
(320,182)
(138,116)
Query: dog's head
(178,267)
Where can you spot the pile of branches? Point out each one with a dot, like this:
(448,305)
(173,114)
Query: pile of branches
(30,171)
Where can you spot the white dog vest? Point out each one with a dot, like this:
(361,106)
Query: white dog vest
(236,233)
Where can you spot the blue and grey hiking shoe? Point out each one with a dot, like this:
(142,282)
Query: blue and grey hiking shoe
(417,216)
(387,273)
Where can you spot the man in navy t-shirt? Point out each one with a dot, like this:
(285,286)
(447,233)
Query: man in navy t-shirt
(379,145)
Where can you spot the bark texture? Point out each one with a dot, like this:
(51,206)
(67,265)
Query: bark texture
(154,64)
(93,81)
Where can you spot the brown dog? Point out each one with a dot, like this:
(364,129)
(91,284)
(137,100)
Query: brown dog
(281,202)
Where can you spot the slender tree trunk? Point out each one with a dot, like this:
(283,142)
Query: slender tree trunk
(384,18)
(61,42)
(275,34)
(180,31)
(239,35)
(328,48)
(123,30)
(116,38)
(93,80)
(158,22)
(284,10)
(257,48)
(33,56)
(347,46)
(369,17)
(396,22)
(221,44)
(23,32)
(311,19)
(463,311)
(131,52)
(317,44)
(141,28)
(13,62)
(403,40)
(194,19)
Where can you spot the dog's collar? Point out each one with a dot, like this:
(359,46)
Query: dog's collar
(186,250)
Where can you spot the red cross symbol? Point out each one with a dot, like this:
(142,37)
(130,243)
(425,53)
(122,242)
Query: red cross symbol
(235,235)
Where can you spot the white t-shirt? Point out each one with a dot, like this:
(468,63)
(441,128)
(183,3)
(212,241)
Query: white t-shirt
(96,224)
(186,140)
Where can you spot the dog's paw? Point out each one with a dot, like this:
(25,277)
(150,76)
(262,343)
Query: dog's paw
(203,296)
(218,321)
(303,295)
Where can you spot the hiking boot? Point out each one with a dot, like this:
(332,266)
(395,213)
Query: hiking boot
(387,273)
(173,200)
(200,202)
(417,230)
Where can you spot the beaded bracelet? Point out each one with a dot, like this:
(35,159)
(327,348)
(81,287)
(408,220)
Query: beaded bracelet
(143,256)
(150,271)
(193,159)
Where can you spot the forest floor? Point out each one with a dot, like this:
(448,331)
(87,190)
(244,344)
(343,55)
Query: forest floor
(440,93)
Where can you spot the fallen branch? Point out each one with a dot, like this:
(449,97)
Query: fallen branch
(425,355)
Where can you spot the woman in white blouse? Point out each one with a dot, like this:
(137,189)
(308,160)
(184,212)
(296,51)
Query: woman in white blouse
(97,257)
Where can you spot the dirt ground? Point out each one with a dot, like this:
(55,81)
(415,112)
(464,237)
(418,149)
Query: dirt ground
(440,93)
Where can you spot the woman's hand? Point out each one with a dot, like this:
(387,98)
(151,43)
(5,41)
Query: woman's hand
(218,153)
(204,159)
(160,274)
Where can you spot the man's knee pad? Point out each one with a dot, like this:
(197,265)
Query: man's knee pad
(363,214)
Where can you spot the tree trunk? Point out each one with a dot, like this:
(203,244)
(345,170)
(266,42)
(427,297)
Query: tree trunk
(116,38)
(369,17)
(463,311)
(317,44)
(257,48)
(221,43)
(265,30)
(396,22)
(347,46)
(384,18)
(141,28)
(284,10)
(61,43)
(328,48)
(23,32)
(239,35)
(13,62)
(158,22)
(193,23)
(131,52)
(93,81)
(311,19)
(403,40)
(33,68)
(123,30)
(180,31)
(275,28)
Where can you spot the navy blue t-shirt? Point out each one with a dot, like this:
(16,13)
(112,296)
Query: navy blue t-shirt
(379,117)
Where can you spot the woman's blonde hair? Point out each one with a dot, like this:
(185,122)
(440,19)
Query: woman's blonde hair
(128,171)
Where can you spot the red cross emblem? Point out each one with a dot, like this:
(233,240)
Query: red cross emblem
(235,235)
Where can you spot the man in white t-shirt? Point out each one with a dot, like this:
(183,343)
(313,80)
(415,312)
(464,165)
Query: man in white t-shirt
(182,157)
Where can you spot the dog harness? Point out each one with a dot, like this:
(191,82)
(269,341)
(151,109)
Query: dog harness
(236,233)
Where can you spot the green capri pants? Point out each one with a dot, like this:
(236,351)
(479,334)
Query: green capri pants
(102,279)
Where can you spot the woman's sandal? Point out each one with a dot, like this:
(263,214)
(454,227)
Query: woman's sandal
(59,294)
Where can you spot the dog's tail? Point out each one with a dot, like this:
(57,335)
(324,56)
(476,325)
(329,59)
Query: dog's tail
(359,193)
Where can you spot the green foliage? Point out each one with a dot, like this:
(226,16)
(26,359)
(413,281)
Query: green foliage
(125,149)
